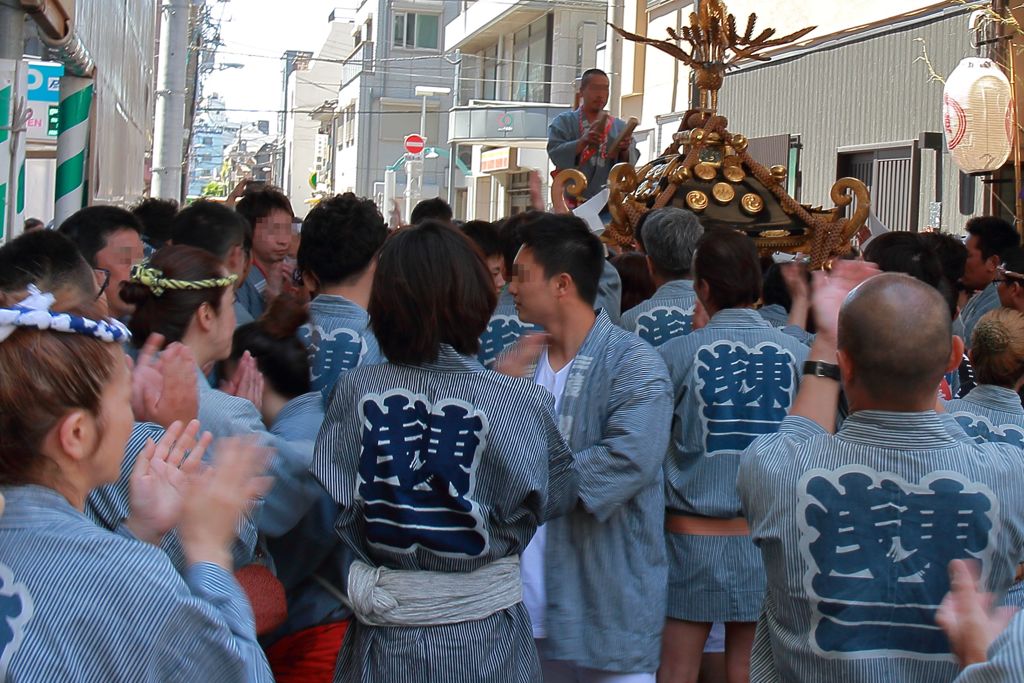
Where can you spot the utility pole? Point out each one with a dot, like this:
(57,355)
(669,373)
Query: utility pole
(12,23)
(169,123)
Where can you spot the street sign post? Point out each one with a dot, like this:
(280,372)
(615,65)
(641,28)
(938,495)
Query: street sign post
(414,143)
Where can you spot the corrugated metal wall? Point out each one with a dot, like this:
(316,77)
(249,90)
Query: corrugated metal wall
(120,35)
(867,92)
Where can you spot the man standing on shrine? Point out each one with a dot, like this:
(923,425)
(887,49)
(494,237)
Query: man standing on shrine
(584,138)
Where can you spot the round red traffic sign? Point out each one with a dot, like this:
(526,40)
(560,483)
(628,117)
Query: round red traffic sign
(414,143)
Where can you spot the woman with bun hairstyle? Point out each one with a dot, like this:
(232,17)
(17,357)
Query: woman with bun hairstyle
(186,294)
(308,559)
(83,603)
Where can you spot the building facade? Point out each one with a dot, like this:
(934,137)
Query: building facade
(519,65)
(213,132)
(397,45)
(304,137)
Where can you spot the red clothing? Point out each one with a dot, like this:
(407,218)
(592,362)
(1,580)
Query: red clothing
(308,656)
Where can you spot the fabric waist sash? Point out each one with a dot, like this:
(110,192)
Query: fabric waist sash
(691,525)
(393,597)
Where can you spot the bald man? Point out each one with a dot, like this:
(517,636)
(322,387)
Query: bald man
(857,528)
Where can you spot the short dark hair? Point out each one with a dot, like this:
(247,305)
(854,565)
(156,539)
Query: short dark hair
(562,243)
(281,358)
(212,227)
(994,235)
(951,252)
(588,74)
(911,254)
(431,209)
(44,258)
(774,291)
(170,313)
(32,224)
(91,227)
(485,235)
(511,232)
(727,261)
(156,216)
(340,237)
(430,288)
(637,283)
(258,203)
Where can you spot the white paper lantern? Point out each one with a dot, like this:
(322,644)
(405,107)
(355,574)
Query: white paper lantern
(977,114)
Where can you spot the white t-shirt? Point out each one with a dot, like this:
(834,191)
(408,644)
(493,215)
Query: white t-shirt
(532,561)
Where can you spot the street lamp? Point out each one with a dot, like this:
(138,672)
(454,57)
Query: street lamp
(414,167)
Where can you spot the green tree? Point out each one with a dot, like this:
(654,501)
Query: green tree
(215,188)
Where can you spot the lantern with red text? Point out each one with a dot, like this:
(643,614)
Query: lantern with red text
(978,117)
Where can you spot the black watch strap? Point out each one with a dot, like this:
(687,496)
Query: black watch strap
(819,368)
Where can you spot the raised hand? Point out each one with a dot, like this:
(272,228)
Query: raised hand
(160,479)
(164,389)
(218,497)
(247,381)
(830,291)
(968,617)
(522,355)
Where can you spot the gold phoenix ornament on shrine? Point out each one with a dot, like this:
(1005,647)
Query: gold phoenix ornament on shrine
(707,168)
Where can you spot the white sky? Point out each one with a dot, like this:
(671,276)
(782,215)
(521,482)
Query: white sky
(267,28)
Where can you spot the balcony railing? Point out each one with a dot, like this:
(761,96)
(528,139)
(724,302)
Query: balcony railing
(360,61)
(483,121)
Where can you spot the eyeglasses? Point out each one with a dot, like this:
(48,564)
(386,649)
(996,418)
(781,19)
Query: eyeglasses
(102,276)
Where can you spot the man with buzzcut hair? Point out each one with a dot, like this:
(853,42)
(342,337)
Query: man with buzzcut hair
(857,528)
(669,239)
(584,139)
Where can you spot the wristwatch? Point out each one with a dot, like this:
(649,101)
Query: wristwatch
(819,368)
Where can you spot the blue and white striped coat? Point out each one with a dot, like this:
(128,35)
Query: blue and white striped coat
(981,303)
(734,380)
(605,560)
(311,549)
(990,414)
(249,302)
(82,604)
(442,467)
(1005,658)
(857,530)
(293,492)
(339,339)
(666,315)
(505,327)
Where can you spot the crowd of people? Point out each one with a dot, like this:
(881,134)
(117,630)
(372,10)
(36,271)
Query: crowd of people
(235,445)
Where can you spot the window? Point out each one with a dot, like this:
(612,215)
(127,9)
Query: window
(531,61)
(489,73)
(207,142)
(416,30)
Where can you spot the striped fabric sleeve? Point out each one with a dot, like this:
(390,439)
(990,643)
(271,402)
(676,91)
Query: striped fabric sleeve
(220,589)
(800,428)
(563,482)
(1005,658)
(635,439)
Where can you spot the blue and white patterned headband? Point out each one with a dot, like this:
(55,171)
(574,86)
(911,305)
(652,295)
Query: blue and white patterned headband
(35,312)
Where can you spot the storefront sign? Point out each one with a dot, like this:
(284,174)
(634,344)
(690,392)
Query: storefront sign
(502,159)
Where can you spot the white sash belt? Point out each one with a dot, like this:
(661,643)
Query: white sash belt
(394,597)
